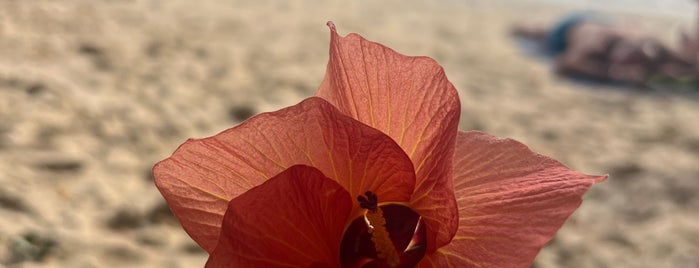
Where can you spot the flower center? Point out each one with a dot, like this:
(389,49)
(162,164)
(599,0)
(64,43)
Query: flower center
(390,235)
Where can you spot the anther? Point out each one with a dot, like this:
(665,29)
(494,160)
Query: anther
(370,202)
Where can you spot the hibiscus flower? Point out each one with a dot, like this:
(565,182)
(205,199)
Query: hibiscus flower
(370,172)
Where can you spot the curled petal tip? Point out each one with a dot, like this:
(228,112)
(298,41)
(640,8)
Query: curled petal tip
(331,25)
(601,178)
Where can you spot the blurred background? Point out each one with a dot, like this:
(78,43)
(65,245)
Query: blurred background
(93,93)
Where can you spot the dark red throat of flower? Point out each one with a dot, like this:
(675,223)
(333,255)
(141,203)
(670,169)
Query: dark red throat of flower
(388,235)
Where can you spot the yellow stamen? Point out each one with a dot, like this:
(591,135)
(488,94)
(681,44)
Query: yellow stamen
(380,237)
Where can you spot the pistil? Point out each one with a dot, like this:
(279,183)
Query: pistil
(377,228)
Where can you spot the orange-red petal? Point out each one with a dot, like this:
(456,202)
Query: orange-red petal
(294,219)
(409,99)
(203,175)
(511,202)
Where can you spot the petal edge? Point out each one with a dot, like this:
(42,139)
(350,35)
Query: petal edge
(511,202)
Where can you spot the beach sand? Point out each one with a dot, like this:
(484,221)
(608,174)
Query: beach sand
(93,93)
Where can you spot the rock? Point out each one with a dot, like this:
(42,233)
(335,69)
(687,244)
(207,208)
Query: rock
(151,239)
(30,247)
(123,254)
(99,58)
(192,248)
(125,219)
(61,165)
(240,113)
(12,202)
(161,214)
(35,89)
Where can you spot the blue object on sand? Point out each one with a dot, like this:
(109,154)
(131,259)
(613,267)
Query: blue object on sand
(556,41)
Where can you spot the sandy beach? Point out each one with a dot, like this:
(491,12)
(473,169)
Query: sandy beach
(93,93)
